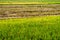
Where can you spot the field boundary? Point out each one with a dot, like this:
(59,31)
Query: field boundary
(29,2)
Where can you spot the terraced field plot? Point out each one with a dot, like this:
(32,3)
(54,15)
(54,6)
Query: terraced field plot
(29,10)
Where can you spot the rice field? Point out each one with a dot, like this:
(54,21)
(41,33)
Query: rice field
(38,21)
(33,28)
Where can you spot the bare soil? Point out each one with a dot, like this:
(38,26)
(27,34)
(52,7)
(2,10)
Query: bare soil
(31,10)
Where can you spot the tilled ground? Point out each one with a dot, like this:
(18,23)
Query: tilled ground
(31,10)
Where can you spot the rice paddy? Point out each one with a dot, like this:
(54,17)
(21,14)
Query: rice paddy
(34,28)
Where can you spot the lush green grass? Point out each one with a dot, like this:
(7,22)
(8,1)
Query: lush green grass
(35,28)
(29,1)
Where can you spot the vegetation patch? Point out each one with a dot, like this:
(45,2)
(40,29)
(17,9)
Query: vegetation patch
(34,28)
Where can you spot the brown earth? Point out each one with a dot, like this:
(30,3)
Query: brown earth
(30,10)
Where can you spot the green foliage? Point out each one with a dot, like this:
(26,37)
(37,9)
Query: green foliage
(36,28)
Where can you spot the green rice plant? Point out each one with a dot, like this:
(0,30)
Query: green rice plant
(34,28)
